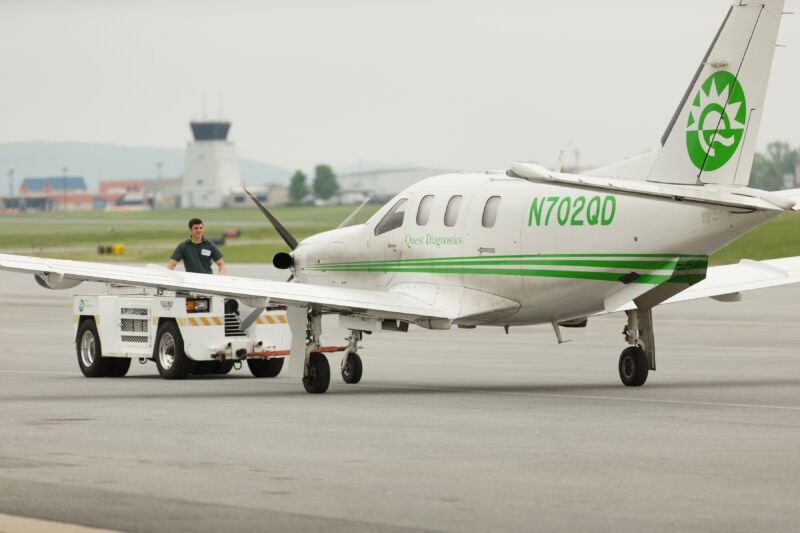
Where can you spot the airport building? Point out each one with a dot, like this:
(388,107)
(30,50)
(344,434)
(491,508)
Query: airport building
(211,172)
(382,185)
(51,193)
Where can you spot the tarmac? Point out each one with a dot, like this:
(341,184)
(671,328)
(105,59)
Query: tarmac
(460,430)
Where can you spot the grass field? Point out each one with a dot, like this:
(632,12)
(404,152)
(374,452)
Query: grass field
(58,230)
(150,235)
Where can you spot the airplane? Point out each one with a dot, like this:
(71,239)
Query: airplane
(531,245)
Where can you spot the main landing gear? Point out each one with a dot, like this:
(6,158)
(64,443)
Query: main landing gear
(637,360)
(306,327)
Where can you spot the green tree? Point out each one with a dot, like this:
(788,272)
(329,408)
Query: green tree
(769,169)
(298,188)
(325,184)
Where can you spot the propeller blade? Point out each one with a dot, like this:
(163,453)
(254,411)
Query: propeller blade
(291,241)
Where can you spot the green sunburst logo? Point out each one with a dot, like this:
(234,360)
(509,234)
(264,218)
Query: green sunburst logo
(716,121)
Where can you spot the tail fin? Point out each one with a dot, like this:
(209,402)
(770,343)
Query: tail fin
(712,135)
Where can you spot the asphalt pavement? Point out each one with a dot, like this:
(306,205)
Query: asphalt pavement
(461,430)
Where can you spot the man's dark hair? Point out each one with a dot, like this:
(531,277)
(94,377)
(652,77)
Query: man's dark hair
(194,221)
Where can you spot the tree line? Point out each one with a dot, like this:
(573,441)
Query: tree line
(324,185)
(769,168)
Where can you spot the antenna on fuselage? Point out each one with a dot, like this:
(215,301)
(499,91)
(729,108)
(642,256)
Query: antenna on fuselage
(354,213)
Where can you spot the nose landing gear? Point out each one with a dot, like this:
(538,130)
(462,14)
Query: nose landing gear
(308,358)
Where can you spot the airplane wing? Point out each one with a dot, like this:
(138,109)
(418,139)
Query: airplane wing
(792,195)
(728,196)
(722,282)
(726,283)
(62,274)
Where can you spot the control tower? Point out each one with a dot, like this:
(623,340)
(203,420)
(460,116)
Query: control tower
(211,171)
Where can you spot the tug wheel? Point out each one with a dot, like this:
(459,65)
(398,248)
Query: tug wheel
(90,355)
(265,368)
(170,359)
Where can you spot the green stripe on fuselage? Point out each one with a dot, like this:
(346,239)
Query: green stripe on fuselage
(677,266)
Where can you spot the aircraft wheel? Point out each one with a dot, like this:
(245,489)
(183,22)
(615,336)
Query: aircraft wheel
(265,368)
(170,359)
(633,366)
(319,374)
(90,355)
(352,368)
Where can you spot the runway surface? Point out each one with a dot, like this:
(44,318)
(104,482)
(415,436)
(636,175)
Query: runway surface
(462,430)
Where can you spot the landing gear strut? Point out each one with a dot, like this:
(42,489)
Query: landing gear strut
(351,362)
(637,360)
(307,356)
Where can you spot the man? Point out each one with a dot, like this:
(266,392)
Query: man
(197,252)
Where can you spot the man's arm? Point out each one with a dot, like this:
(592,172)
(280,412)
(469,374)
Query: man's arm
(177,255)
(221,265)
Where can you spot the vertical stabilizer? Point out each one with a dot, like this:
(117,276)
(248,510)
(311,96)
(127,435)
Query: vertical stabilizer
(712,136)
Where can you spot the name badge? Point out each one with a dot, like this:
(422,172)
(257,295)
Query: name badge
(205,251)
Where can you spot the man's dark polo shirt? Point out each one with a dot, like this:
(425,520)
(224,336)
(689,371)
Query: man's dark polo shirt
(197,257)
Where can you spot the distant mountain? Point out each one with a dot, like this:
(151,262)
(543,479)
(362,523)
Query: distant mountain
(100,162)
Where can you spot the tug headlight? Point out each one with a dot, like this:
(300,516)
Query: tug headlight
(197,305)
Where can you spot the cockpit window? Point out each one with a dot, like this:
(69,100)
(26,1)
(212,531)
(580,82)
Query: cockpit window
(393,219)
(424,210)
(490,212)
(451,213)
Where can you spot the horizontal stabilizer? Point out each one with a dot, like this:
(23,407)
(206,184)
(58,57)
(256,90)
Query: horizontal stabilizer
(728,280)
(739,197)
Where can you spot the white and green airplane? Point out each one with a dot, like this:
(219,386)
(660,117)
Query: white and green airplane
(532,245)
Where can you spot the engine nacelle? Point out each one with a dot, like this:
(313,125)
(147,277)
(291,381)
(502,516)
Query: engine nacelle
(55,280)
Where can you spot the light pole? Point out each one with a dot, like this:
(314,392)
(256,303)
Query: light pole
(64,189)
(11,183)
(158,185)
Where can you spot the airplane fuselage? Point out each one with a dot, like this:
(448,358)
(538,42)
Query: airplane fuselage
(559,252)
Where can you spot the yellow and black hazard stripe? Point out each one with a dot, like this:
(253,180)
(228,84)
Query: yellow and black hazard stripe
(220,321)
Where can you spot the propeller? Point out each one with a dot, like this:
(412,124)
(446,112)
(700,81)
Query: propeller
(291,241)
(282,260)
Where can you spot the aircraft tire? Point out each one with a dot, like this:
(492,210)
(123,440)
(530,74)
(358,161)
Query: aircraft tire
(319,374)
(633,366)
(265,368)
(352,369)
(170,358)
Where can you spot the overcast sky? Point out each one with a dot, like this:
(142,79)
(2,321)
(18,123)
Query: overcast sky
(459,84)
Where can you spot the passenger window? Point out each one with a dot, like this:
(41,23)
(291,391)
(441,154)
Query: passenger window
(451,213)
(490,212)
(424,210)
(393,219)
